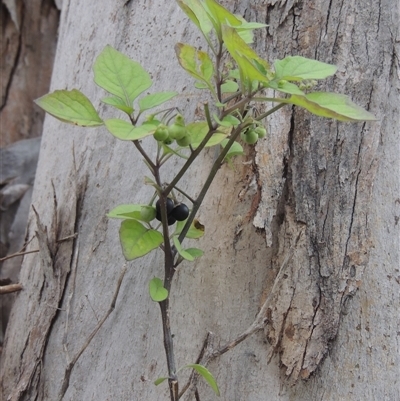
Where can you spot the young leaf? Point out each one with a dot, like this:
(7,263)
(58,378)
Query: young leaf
(158,294)
(125,131)
(137,240)
(71,107)
(228,121)
(203,371)
(196,12)
(121,76)
(285,87)
(297,68)
(118,104)
(125,211)
(185,255)
(196,230)
(246,58)
(155,99)
(199,130)
(331,105)
(196,62)
(160,380)
(220,15)
(229,87)
(195,252)
(235,150)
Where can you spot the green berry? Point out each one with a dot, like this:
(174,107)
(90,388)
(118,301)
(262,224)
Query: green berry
(177,131)
(250,136)
(168,141)
(261,132)
(161,133)
(185,141)
(148,213)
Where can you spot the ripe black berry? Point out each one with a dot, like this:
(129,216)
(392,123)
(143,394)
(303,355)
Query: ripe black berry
(170,206)
(180,212)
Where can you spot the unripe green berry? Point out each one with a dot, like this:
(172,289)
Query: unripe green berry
(161,133)
(176,131)
(250,136)
(185,141)
(148,213)
(261,132)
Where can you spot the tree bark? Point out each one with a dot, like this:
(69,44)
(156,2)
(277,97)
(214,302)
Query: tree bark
(334,317)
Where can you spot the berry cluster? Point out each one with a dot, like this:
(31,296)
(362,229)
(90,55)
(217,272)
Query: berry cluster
(175,213)
(175,132)
(252,135)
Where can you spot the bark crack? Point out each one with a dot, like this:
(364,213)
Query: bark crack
(15,63)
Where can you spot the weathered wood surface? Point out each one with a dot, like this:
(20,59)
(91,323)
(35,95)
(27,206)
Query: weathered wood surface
(339,182)
(28,44)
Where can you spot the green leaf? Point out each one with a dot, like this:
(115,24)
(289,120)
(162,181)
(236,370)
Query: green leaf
(220,16)
(246,58)
(195,252)
(228,121)
(235,150)
(229,87)
(207,375)
(199,130)
(125,211)
(196,12)
(196,62)
(158,294)
(71,107)
(160,380)
(137,240)
(155,99)
(118,104)
(185,255)
(121,76)
(297,68)
(195,231)
(125,131)
(285,87)
(331,105)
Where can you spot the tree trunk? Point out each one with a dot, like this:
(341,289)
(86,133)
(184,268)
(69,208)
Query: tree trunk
(334,317)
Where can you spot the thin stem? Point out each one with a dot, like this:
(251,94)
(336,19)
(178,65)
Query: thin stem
(208,116)
(149,162)
(269,112)
(185,194)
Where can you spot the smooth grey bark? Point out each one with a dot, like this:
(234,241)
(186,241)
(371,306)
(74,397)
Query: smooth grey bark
(337,182)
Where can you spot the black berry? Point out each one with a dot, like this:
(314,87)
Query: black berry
(180,212)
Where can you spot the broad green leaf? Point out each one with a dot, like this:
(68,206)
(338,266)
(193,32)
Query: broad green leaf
(297,68)
(125,211)
(118,104)
(199,130)
(185,255)
(121,76)
(228,121)
(195,252)
(160,380)
(201,85)
(196,12)
(285,87)
(137,240)
(127,132)
(155,99)
(158,294)
(71,107)
(196,230)
(245,29)
(235,150)
(196,62)
(245,57)
(220,16)
(207,375)
(229,87)
(331,105)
